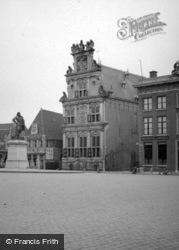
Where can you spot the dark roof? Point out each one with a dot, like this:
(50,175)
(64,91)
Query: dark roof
(6,126)
(49,123)
(158,81)
(5,130)
(113,78)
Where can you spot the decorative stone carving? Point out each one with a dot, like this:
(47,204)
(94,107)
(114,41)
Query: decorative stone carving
(63,98)
(82,111)
(82,63)
(76,48)
(124,82)
(82,83)
(175,71)
(81,46)
(95,65)
(101,91)
(69,70)
(89,45)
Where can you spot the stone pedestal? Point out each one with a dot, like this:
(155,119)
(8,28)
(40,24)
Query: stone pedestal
(17,154)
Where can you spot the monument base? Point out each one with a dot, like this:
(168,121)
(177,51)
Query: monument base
(17,154)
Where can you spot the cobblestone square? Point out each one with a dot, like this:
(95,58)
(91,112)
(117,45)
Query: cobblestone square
(106,211)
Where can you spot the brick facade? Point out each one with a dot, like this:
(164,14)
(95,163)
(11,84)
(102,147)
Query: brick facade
(158,123)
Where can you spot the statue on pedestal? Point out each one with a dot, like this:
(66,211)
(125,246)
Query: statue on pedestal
(17,146)
(19,126)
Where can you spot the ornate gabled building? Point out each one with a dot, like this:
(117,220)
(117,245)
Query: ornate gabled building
(99,114)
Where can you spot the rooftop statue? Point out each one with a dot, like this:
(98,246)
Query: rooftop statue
(19,125)
(69,70)
(89,45)
(175,71)
(63,98)
(95,65)
(75,48)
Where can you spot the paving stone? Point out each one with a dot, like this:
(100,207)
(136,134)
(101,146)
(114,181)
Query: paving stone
(94,211)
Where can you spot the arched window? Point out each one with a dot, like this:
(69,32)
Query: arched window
(95,144)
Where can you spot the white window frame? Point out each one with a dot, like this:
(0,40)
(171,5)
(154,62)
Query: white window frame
(162,125)
(148,125)
(147,104)
(162,103)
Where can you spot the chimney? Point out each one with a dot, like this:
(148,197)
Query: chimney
(153,74)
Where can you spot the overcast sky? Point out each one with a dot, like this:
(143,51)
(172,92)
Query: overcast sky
(36,38)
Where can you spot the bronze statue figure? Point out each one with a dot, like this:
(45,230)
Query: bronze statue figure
(19,126)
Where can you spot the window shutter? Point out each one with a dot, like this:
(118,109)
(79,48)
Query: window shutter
(76,152)
(86,93)
(98,118)
(65,153)
(89,118)
(76,94)
(89,152)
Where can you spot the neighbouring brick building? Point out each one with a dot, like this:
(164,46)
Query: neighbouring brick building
(159,121)
(100,113)
(45,141)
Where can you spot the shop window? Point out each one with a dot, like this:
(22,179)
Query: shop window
(148,154)
(162,153)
